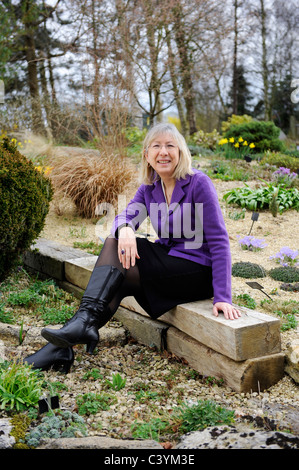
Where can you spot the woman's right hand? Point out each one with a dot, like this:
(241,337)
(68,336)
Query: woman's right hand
(127,247)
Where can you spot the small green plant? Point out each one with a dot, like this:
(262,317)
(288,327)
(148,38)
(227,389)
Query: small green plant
(287,310)
(149,430)
(117,382)
(56,315)
(91,247)
(246,300)
(285,274)
(91,403)
(20,386)
(143,396)
(201,415)
(6,316)
(54,426)
(93,374)
(248,270)
(237,215)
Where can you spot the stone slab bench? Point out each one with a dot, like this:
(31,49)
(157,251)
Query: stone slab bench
(245,353)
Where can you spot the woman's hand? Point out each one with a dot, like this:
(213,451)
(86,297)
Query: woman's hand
(230,312)
(127,247)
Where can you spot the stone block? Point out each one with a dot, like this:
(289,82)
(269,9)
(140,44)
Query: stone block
(48,257)
(78,271)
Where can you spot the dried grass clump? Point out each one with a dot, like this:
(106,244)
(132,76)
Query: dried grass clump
(89,181)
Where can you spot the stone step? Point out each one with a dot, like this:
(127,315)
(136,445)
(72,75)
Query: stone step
(47,257)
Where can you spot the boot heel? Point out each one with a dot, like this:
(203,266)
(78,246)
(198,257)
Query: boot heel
(90,347)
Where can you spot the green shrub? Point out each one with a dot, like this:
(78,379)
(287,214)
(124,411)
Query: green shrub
(235,119)
(248,270)
(285,274)
(280,160)
(25,194)
(207,140)
(264,135)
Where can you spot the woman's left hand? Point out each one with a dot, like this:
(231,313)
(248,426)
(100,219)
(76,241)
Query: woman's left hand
(230,312)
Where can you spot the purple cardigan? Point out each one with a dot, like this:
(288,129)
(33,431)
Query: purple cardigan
(192,226)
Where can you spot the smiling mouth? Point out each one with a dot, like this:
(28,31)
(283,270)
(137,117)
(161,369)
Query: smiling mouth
(163,161)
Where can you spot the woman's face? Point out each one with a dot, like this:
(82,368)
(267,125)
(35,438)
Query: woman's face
(163,155)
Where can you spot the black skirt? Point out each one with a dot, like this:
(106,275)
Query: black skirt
(167,280)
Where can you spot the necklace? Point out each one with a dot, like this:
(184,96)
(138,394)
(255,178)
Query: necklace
(167,194)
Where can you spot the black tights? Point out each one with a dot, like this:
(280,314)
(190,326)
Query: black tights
(130,285)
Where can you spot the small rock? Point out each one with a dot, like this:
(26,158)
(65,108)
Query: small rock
(292,360)
(98,442)
(237,437)
(6,440)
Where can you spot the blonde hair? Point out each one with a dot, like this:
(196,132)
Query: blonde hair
(183,168)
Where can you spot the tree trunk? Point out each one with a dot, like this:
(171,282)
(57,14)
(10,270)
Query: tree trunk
(235,61)
(265,72)
(32,77)
(175,87)
(185,69)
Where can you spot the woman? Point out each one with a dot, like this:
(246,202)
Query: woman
(189,261)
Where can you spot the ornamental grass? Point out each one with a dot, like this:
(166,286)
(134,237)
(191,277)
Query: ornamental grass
(90,180)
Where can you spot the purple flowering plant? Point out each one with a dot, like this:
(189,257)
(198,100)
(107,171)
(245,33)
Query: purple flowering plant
(286,257)
(251,243)
(284,176)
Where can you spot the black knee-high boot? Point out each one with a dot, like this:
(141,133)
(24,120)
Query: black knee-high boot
(93,311)
(51,356)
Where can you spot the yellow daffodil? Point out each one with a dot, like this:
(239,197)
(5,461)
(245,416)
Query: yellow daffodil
(251,146)
(231,139)
(237,145)
(13,140)
(245,143)
(240,139)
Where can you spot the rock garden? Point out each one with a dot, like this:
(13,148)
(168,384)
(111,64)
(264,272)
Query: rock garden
(128,394)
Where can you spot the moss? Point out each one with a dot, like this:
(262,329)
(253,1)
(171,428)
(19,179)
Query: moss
(20,424)
(285,274)
(248,270)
